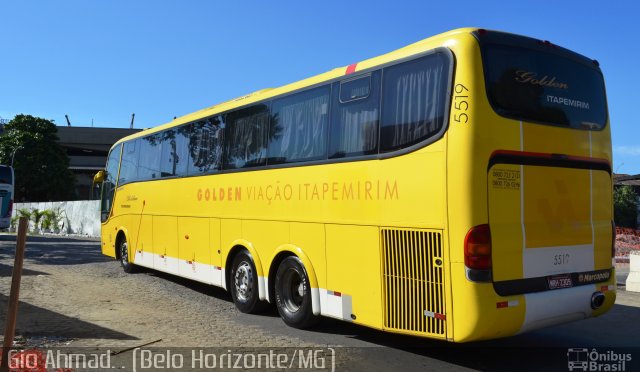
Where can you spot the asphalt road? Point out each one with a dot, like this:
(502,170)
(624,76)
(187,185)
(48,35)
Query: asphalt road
(375,351)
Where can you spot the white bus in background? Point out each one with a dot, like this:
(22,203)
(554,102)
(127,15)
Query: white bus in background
(6,195)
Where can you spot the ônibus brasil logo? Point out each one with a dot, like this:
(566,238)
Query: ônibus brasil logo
(583,359)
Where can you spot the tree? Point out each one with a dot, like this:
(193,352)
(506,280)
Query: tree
(41,165)
(625,206)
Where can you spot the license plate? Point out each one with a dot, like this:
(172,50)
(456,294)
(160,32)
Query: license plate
(560,281)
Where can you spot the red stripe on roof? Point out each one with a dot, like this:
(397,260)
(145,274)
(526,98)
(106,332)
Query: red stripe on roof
(351,69)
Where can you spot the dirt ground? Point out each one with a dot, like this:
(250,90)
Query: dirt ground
(73,295)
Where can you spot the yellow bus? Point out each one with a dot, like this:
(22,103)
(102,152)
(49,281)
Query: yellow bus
(458,188)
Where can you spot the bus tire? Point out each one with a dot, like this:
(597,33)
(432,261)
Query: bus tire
(244,284)
(123,249)
(293,294)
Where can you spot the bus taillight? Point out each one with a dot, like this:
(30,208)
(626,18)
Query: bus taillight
(477,248)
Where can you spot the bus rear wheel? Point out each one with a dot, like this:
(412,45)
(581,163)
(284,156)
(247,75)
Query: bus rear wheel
(244,284)
(123,250)
(293,294)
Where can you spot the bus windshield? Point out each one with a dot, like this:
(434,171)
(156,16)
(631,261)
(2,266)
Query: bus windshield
(536,86)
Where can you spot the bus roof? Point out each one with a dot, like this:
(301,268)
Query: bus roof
(267,93)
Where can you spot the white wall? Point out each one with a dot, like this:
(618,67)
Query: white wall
(80,217)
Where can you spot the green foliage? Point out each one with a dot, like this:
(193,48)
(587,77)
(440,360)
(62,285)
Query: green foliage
(24,212)
(14,222)
(37,215)
(51,218)
(41,165)
(47,219)
(625,206)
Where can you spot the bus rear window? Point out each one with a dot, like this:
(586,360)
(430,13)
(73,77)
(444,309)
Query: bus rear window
(541,87)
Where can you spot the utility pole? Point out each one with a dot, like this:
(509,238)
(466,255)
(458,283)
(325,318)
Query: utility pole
(14,295)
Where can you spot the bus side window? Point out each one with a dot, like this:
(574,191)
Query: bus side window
(149,161)
(246,137)
(298,129)
(173,160)
(129,166)
(109,183)
(205,145)
(414,100)
(355,116)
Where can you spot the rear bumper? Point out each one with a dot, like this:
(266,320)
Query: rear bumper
(540,284)
(480,313)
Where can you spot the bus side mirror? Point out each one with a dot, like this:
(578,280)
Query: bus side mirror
(99,177)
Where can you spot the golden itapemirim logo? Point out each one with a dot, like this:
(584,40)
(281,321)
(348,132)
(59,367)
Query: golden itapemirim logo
(380,189)
(529,77)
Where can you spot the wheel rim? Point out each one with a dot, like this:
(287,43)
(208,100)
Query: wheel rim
(124,253)
(244,281)
(293,291)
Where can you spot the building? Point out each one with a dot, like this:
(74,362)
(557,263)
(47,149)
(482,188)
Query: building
(630,180)
(87,148)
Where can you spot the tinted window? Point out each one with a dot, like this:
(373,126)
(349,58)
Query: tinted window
(149,158)
(543,87)
(205,145)
(354,123)
(355,89)
(174,159)
(247,134)
(109,183)
(415,94)
(129,166)
(5,175)
(299,127)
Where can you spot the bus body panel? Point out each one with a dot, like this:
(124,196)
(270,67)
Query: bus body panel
(194,249)
(352,252)
(166,244)
(142,251)
(309,238)
(546,213)
(216,252)
(476,316)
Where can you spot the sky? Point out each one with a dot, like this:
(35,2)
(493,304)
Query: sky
(100,61)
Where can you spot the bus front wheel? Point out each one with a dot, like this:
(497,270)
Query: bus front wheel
(293,294)
(123,250)
(244,284)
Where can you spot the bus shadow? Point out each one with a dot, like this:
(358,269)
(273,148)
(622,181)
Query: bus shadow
(206,289)
(7,270)
(40,322)
(48,238)
(49,251)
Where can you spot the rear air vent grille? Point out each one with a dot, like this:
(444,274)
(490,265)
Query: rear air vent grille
(413,281)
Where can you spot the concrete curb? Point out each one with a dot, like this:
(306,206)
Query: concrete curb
(633,280)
